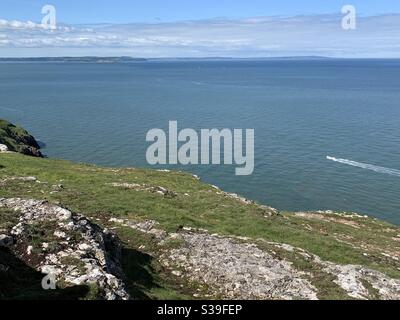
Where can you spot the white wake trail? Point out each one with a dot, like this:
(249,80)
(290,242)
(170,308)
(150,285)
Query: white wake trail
(392,172)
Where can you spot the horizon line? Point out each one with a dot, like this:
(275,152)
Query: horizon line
(309,57)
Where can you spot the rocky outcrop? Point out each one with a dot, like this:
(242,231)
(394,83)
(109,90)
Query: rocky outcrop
(358,281)
(22,179)
(146,226)
(353,280)
(143,187)
(238,270)
(6,241)
(65,246)
(18,140)
(3,148)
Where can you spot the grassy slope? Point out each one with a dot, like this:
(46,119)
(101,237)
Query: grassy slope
(87,190)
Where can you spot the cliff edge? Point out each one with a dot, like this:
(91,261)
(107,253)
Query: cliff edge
(18,139)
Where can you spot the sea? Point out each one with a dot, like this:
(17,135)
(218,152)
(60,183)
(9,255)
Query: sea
(327,131)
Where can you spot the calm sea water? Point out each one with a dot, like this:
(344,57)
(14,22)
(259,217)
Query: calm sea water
(302,112)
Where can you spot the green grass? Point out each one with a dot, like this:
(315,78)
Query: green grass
(87,190)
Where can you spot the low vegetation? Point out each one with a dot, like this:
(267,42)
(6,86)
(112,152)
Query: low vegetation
(94,192)
(148,209)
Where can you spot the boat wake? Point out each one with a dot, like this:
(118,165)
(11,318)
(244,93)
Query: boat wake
(392,172)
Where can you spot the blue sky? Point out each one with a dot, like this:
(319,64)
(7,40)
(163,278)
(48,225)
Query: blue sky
(127,11)
(200,28)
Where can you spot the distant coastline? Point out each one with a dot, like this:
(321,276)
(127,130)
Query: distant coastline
(75,59)
(124,59)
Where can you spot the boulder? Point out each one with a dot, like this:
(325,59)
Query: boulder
(72,249)
(3,148)
(6,241)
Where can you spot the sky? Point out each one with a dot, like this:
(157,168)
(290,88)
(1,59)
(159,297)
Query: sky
(200,28)
(128,11)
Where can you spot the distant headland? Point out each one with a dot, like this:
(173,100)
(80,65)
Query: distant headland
(125,59)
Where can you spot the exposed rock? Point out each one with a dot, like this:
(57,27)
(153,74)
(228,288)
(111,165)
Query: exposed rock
(158,233)
(237,270)
(146,226)
(6,241)
(269,211)
(116,220)
(237,197)
(125,185)
(177,273)
(57,187)
(22,179)
(163,191)
(353,278)
(29,250)
(3,148)
(229,267)
(142,187)
(89,255)
(4,268)
(329,216)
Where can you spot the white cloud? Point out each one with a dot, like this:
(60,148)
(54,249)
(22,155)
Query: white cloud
(253,37)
